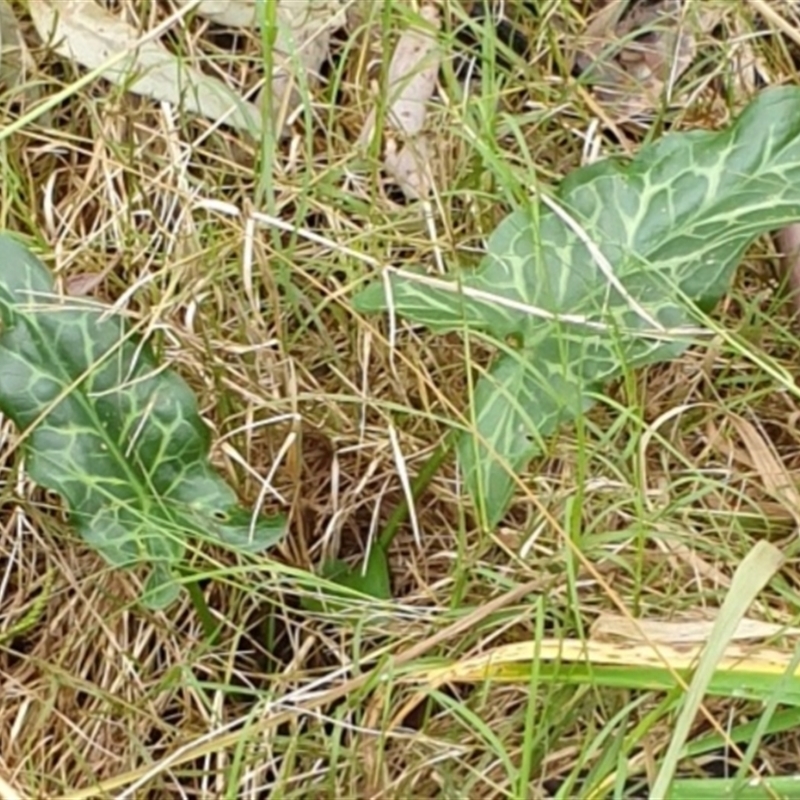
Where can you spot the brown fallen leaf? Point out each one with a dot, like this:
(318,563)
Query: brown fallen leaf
(689,629)
(777,481)
(632,60)
(16,63)
(85,33)
(230,13)
(413,72)
(410,165)
(302,42)
(788,244)
(682,558)
(82,284)
(301,46)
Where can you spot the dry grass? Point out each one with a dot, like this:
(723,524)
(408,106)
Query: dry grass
(112,187)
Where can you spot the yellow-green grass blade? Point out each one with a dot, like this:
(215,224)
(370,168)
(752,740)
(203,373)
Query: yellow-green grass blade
(752,575)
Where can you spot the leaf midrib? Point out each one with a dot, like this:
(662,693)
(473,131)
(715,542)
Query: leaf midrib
(73,386)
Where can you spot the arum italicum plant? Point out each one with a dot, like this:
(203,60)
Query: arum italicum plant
(613,270)
(118,437)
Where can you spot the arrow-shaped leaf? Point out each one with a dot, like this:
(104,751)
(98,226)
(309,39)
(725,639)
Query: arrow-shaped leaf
(607,276)
(120,439)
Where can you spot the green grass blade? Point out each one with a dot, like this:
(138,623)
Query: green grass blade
(752,575)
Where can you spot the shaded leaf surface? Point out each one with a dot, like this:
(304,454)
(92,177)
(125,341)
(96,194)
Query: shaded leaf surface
(670,226)
(120,439)
(374,580)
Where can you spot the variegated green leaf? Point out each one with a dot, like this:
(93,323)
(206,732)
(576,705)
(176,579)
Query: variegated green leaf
(607,275)
(119,438)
